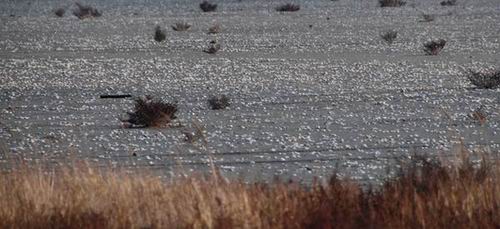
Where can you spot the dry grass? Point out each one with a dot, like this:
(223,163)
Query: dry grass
(84,11)
(389,36)
(181,26)
(213,47)
(219,102)
(149,112)
(488,79)
(215,29)
(449,3)
(434,47)
(426,194)
(288,8)
(391,3)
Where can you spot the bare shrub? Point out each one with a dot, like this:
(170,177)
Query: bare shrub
(181,26)
(428,17)
(214,29)
(213,47)
(83,11)
(159,34)
(219,102)
(479,115)
(391,3)
(449,3)
(434,47)
(60,12)
(390,36)
(149,112)
(208,7)
(289,7)
(485,79)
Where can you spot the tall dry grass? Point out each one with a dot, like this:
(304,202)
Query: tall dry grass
(426,194)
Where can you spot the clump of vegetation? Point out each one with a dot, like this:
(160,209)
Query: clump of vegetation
(391,3)
(213,47)
(480,116)
(485,79)
(390,36)
(426,194)
(208,7)
(289,7)
(428,17)
(181,26)
(449,2)
(214,29)
(149,112)
(60,12)
(434,47)
(219,102)
(159,34)
(83,11)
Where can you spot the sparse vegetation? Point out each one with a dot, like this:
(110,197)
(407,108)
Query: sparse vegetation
(449,2)
(218,102)
(213,47)
(391,3)
(159,34)
(428,17)
(289,7)
(426,194)
(181,26)
(390,36)
(485,79)
(479,115)
(434,47)
(83,11)
(214,29)
(149,112)
(60,12)
(208,7)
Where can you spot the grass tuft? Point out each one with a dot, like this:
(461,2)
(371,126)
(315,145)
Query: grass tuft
(208,7)
(159,34)
(84,11)
(289,7)
(449,3)
(390,36)
(149,112)
(181,26)
(219,102)
(428,17)
(60,12)
(215,29)
(391,3)
(485,79)
(213,47)
(434,47)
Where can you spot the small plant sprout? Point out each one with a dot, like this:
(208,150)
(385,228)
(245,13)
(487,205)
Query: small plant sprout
(219,102)
(159,34)
(485,79)
(60,12)
(181,26)
(389,36)
(213,47)
(83,11)
(391,3)
(449,2)
(434,47)
(479,115)
(149,112)
(208,7)
(214,29)
(288,8)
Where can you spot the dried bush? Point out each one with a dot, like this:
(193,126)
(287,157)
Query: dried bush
(83,11)
(214,29)
(181,26)
(288,7)
(391,3)
(213,47)
(390,36)
(434,47)
(159,34)
(449,3)
(149,112)
(208,7)
(60,12)
(479,115)
(485,79)
(219,102)
(428,17)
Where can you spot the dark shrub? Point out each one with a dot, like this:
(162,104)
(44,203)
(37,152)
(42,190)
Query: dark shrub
(485,79)
(449,3)
(208,7)
(181,26)
(213,47)
(428,17)
(83,11)
(59,12)
(218,102)
(159,34)
(434,47)
(149,112)
(390,36)
(391,3)
(288,8)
